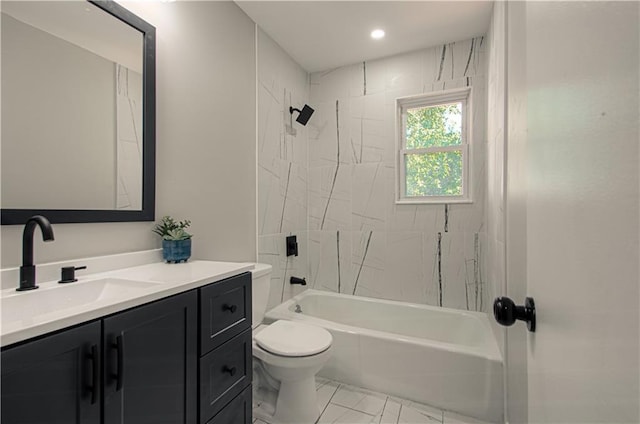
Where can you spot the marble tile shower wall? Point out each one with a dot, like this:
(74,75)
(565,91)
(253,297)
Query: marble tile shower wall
(282,167)
(359,241)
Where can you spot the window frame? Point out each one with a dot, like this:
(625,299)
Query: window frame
(463,95)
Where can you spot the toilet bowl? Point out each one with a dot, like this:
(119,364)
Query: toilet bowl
(288,356)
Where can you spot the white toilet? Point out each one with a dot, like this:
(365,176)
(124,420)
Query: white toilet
(287,355)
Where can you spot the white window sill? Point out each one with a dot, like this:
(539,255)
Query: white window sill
(439,201)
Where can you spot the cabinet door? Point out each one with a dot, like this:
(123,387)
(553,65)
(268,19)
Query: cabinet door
(151,363)
(53,380)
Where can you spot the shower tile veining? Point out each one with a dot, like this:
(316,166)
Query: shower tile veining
(344,404)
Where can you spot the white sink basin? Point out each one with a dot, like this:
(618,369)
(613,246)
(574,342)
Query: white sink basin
(56,298)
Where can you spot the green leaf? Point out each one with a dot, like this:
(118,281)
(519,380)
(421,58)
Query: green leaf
(169,229)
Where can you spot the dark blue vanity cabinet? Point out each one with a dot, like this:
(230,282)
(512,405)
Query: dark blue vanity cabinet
(53,380)
(145,365)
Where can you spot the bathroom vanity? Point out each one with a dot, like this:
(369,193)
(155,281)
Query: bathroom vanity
(154,343)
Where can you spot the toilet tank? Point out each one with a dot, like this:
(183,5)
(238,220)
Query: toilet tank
(260,285)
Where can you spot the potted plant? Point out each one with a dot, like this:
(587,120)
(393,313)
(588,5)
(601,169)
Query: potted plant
(176,242)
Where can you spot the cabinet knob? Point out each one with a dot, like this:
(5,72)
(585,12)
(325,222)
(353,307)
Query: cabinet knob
(230,370)
(227,307)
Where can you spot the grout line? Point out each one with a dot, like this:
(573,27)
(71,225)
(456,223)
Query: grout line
(352,409)
(446,218)
(439,255)
(284,201)
(384,407)
(338,257)
(328,403)
(284,279)
(364,257)
(444,53)
(466,68)
(452,62)
(364,78)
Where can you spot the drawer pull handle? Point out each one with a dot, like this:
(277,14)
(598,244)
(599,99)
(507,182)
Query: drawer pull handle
(95,373)
(119,374)
(230,370)
(227,307)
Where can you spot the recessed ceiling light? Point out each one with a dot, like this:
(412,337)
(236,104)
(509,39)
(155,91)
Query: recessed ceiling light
(377,34)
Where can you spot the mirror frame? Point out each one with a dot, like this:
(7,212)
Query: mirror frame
(67,216)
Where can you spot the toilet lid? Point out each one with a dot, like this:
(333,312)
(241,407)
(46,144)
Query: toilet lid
(288,338)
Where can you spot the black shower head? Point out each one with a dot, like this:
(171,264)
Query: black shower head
(304,114)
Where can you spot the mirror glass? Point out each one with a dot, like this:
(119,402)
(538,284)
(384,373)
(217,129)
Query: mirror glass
(72,108)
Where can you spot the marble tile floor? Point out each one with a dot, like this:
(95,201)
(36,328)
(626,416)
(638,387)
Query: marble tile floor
(344,404)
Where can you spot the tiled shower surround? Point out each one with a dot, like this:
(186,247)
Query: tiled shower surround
(333,183)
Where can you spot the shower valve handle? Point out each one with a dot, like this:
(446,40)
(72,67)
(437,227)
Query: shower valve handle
(507,312)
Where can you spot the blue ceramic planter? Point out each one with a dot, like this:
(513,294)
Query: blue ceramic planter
(174,251)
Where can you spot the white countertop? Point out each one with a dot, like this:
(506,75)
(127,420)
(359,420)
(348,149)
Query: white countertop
(56,306)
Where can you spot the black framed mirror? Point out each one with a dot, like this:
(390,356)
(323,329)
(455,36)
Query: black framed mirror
(56,161)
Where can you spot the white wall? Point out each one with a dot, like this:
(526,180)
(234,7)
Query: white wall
(205,125)
(581,214)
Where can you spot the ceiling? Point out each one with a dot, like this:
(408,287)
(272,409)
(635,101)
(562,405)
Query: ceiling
(322,35)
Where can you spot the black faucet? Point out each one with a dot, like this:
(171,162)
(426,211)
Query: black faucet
(28,269)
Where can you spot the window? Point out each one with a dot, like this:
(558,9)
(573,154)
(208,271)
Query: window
(433,149)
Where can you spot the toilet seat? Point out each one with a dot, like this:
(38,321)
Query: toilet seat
(293,339)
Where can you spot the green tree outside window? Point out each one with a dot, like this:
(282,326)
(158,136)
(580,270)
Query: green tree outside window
(433,172)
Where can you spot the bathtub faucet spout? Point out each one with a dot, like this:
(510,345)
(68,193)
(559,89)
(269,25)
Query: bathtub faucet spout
(297,280)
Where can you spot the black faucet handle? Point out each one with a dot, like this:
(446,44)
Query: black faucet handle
(68,274)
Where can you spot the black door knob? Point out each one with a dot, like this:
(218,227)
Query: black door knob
(506,312)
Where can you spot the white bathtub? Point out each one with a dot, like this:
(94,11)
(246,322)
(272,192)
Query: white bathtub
(442,357)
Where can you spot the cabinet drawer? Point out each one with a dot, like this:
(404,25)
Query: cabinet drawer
(225,311)
(238,411)
(224,373)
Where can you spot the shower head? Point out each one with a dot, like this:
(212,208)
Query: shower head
(303,115)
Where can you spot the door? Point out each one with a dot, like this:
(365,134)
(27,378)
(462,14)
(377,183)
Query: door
(151,363)
(572,202)
(54,380)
